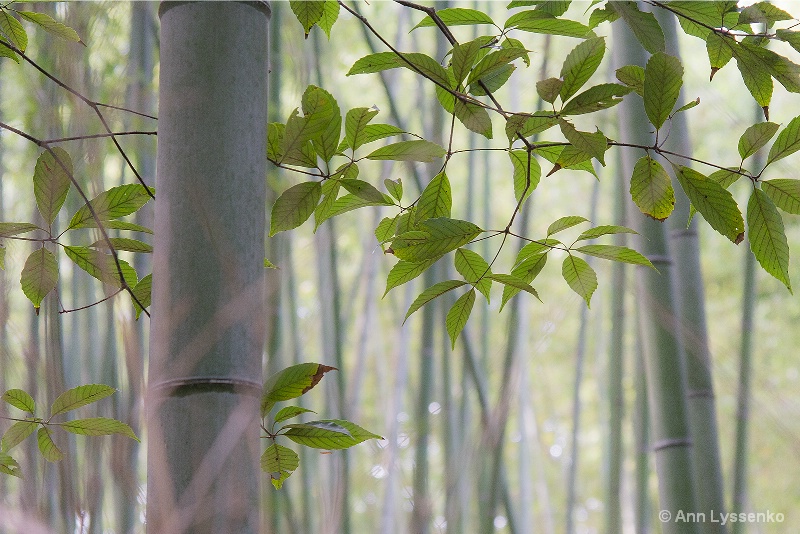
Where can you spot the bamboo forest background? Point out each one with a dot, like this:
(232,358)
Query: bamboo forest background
(508,432)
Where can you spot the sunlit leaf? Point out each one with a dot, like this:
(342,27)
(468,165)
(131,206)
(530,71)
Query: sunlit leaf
(651,189)
(458,315)
(434,238)
(787,142)
(294,206)
(474,269)
(80,396)
(280,462)
(405,271)
(16,434)
(767,236)
(8,229)
(51,182)
(580,64)
(112,204)
(594,144)
(714,202)
(12,30)
(308,12)
(633,77)
(48,24)
(98,426)
(564,222)
(330,13)
(526,270)
(9,465)
(602,230)
(785,193)
(49,451)
(290,411)
(20,399)
(579,276)
(456,16)
(663,77)
(643,25)
(143,289)
(415,150)
(39,276)
(123,243)
(527,173)
(290,383)
(102,266)
(435,291)
(615,253)
(595,98)
(329,434)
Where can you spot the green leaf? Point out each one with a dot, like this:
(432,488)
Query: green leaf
(688,105)
(601,15)
(698,17)
(80,396)
(493,62)
(7,52)
(580,64)
(123,243)
(714,202)
(643,25)
(17,433)
(290,383)
(330,13)
(726,177)
(651,189)
(328,438)
(541,22)
(280,462)
(755,137)
(290,411)
(524,125)
(534,248)
(51,182)
(526,270)
(39,276)
(373,132)
(602,230)
(594,144)
(8,229)
(595,98)
(788,142)
(763,13)
(518,284)
(563,223)
(20,399)
(456,16)
(435,291)
(112,204)
(308,12)
(474,117)
(2,257)
(377,62)
(785,193)
(355,122)
(791,37)
(414,61)
(294,206)
(633,77)
(386,229)
(458,315)
(579,276)
(297,148)
(527,173)
(720,51)
(549,89)
(117,225)
(474,269)
(143,290)
(615,253)
(276,132)
(12,30)
(347,203)
(49,451)
(663,77)
(768,237)
(49,25)
(436,199)
(98,426)
(395,188)
(416,150)
(405,271)
(102,266)
(364,190)
(464,56)
(324,121)
(9,465)
(755,75)
(435,237)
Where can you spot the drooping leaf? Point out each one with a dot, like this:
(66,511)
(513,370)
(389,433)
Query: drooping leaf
(435,291)
(386,229)
(436,199)
(538,21)
(788,142)
(280,462)
(763,13)
(395,188)
(102,266)
(493,62)
(276,133)
(464,56)
(329,434)
(549,89)
(290,383)
(20,399)
(524,125)
(117,225)
(458,315)
(47,447)
(297,148)
(456,16)
(434,238)
(8,229)
(123,243)
(39,276)
(294,206)
(615,253)
(474,117)
(355,122)
(651,189)
(308,12)
(785,193)
(602,230)
(633,77)
(9,465)
(405,271)
(12,31)
(98,426)
(714,202)
(364,190)
(142,290)
(80,396)
(534,248)
(563,223)
(580,64)
(719,52)
(330,13)
(16,434)
(51,182)
(415,150)
(290,411)
(663,77)
(324,119)
(527,173)
(112,204)
(594,144)
(755,75)
(595,98)
(414,61)
(526,270)
(48,24)
(643,25)
(767,236)
(474,269)
(580,276)
(755,137)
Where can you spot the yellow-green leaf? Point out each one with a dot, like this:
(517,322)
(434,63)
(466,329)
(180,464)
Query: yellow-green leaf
(39,276)
(290,383)
(51,182)
(80,396)
(19,398)
(98,426)
(458,315)
(663,77)
(294,206)
(651,189)
(714,202)
(579,276)
(49,451)
(768,237)
(785,193)
(280,462)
